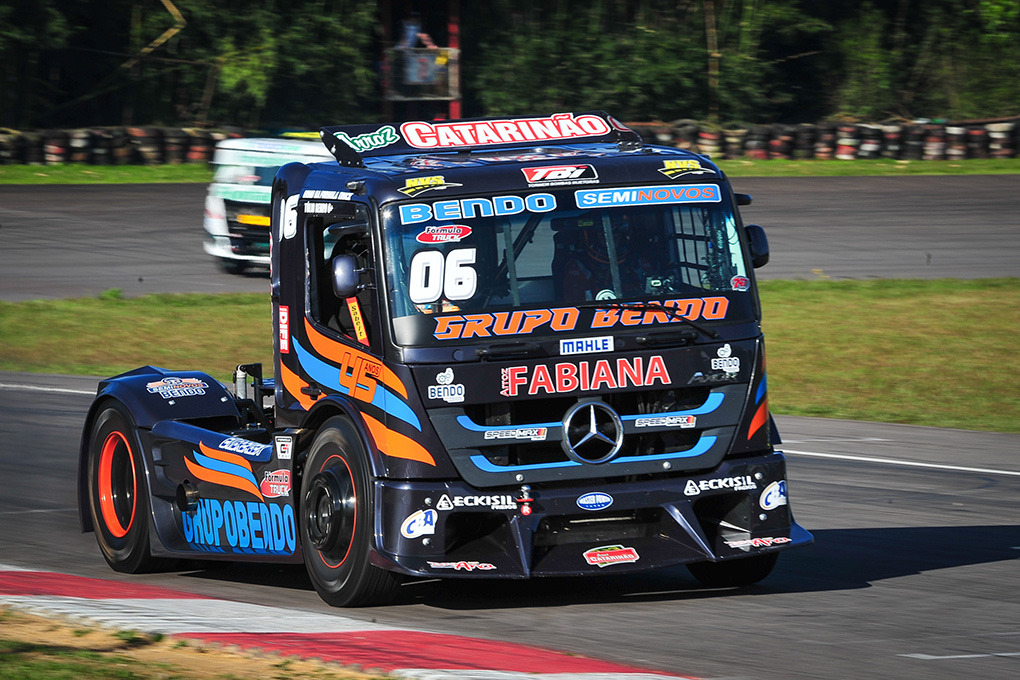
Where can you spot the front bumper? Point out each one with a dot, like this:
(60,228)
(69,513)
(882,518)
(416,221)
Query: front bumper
(452,529)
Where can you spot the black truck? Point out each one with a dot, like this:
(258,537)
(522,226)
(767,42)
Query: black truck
(504,348)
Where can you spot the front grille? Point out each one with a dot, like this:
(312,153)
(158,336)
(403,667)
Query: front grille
(248,227)
(501,414)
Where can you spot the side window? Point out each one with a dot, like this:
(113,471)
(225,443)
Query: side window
(343,232)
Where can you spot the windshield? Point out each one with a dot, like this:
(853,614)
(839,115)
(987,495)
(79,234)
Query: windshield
(478,260)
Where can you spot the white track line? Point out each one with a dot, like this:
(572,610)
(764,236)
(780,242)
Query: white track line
(906,463)
(40,388)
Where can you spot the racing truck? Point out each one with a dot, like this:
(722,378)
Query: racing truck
(503,348)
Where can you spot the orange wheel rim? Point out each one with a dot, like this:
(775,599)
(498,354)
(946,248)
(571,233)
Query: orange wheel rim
(107,496)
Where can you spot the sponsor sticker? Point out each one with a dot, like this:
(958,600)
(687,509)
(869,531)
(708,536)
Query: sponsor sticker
(740,283)
(654,195)
(595,500)
(463,565)
(683,422)
(419,185)
(245,447)
(446,389)
(740,483)
(535,434)
(565,319)
(469,208)
(610,554)
(421,523)
(384,136)
(423,135)
(172,387)
(493,502)
(773,496)
(563,378)
(324,195)
(235,526)
(275,484)
(560,175)
(284,316)
(603,343)
(450,233)
(764,542)
(284,447)
(678,168)
(724,361)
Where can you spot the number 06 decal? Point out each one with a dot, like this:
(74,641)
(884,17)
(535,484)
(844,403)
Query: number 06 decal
(433,276)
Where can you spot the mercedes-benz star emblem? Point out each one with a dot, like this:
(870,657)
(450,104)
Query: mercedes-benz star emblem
(592,432)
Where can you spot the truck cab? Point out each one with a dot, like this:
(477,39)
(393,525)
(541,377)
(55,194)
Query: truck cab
(504,348)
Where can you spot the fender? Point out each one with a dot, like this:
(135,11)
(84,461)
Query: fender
(152,394)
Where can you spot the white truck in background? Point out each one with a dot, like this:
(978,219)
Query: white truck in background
(237,204)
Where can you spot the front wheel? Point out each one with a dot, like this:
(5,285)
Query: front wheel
(118,496)
(734,573)
(336,520)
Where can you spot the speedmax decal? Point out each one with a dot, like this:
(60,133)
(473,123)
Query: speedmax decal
(565,319)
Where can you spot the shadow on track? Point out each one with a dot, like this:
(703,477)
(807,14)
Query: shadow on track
(840,559)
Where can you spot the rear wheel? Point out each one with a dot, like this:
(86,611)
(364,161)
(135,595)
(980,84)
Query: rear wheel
(336,520)
(118,496)
(734,573)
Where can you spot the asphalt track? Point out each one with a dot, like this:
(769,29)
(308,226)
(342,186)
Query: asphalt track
(61,241)
(914,573)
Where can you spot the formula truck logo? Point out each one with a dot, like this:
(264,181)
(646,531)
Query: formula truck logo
(563,378)
(449,233)
(419,185)
(275,484)
(559,175)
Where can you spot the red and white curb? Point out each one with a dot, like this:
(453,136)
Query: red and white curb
(399,652)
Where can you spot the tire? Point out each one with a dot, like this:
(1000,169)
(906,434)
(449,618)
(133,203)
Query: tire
(231,266)
(734,573)
(337,518)
(118,494)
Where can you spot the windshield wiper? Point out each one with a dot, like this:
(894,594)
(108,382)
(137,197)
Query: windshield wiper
(508,350)
(650,307)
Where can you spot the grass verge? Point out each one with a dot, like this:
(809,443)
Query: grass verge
(938,352)
(202,173)
(34,648)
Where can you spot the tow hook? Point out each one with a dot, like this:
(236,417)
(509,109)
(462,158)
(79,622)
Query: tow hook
(525,500)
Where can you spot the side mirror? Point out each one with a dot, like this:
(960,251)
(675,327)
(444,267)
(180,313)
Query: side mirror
(346,277)
(743,199)
(759,245)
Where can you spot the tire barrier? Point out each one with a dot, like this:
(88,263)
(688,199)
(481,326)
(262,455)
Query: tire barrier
(821,141)
(110,146)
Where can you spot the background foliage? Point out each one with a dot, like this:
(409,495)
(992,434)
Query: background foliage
(299,63)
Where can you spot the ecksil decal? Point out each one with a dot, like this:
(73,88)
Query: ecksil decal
(740,483)
(563,378)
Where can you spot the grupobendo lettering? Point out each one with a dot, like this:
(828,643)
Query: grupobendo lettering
(236,526)
(565,319)
(584,376)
